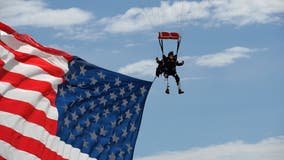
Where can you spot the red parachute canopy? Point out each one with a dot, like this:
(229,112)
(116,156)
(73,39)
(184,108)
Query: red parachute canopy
(169,35)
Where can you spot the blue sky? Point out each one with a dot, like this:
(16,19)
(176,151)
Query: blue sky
(233,74)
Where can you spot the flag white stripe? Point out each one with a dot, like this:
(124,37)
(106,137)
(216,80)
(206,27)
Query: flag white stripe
(31,71)
(11,153)
(37,132)
(19,46)
(32,97)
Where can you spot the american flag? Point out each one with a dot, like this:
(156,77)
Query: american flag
(56,106)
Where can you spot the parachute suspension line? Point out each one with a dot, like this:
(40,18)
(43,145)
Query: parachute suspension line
(161,45)
(178,44)
(154,79)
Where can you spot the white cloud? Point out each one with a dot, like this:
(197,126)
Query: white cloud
(37,13)
(243,12)
(226,57)
(142,68)
(86,32)
(146,68)
(75,23)
(267,149)
(136,19)
(213,12)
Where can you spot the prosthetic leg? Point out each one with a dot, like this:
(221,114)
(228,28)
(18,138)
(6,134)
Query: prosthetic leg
(168,87)
(167,81)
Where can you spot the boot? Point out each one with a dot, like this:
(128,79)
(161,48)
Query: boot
(180,91)
(179,88)
(167,91)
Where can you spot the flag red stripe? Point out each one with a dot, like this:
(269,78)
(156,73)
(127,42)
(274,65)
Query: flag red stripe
(27,144)
(23,82)
(1,63)
(29,40)
(1,158)
(35,60)
(28,112)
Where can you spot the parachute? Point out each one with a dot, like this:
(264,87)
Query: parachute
(167,65)
(169,36)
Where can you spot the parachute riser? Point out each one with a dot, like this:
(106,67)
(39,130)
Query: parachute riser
(171,36)
(178,44)
(161,45)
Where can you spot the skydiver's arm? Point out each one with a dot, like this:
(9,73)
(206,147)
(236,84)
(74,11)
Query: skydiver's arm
(158,61)
(180,63)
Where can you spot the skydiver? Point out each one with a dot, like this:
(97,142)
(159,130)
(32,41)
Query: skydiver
(168,66)
(161,66)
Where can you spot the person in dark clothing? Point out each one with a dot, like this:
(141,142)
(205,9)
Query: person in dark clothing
(168,66)
(161,66)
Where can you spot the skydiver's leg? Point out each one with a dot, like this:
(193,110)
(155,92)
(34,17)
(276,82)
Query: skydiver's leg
(177,79)
(167,80)
(178,83)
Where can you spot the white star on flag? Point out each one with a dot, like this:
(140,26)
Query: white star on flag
(122,92)
(93,80)
(83,70)
(106,87)
(130,86)
(117,81)
(101,75)
(113,96)
(143,90)
(103,100)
